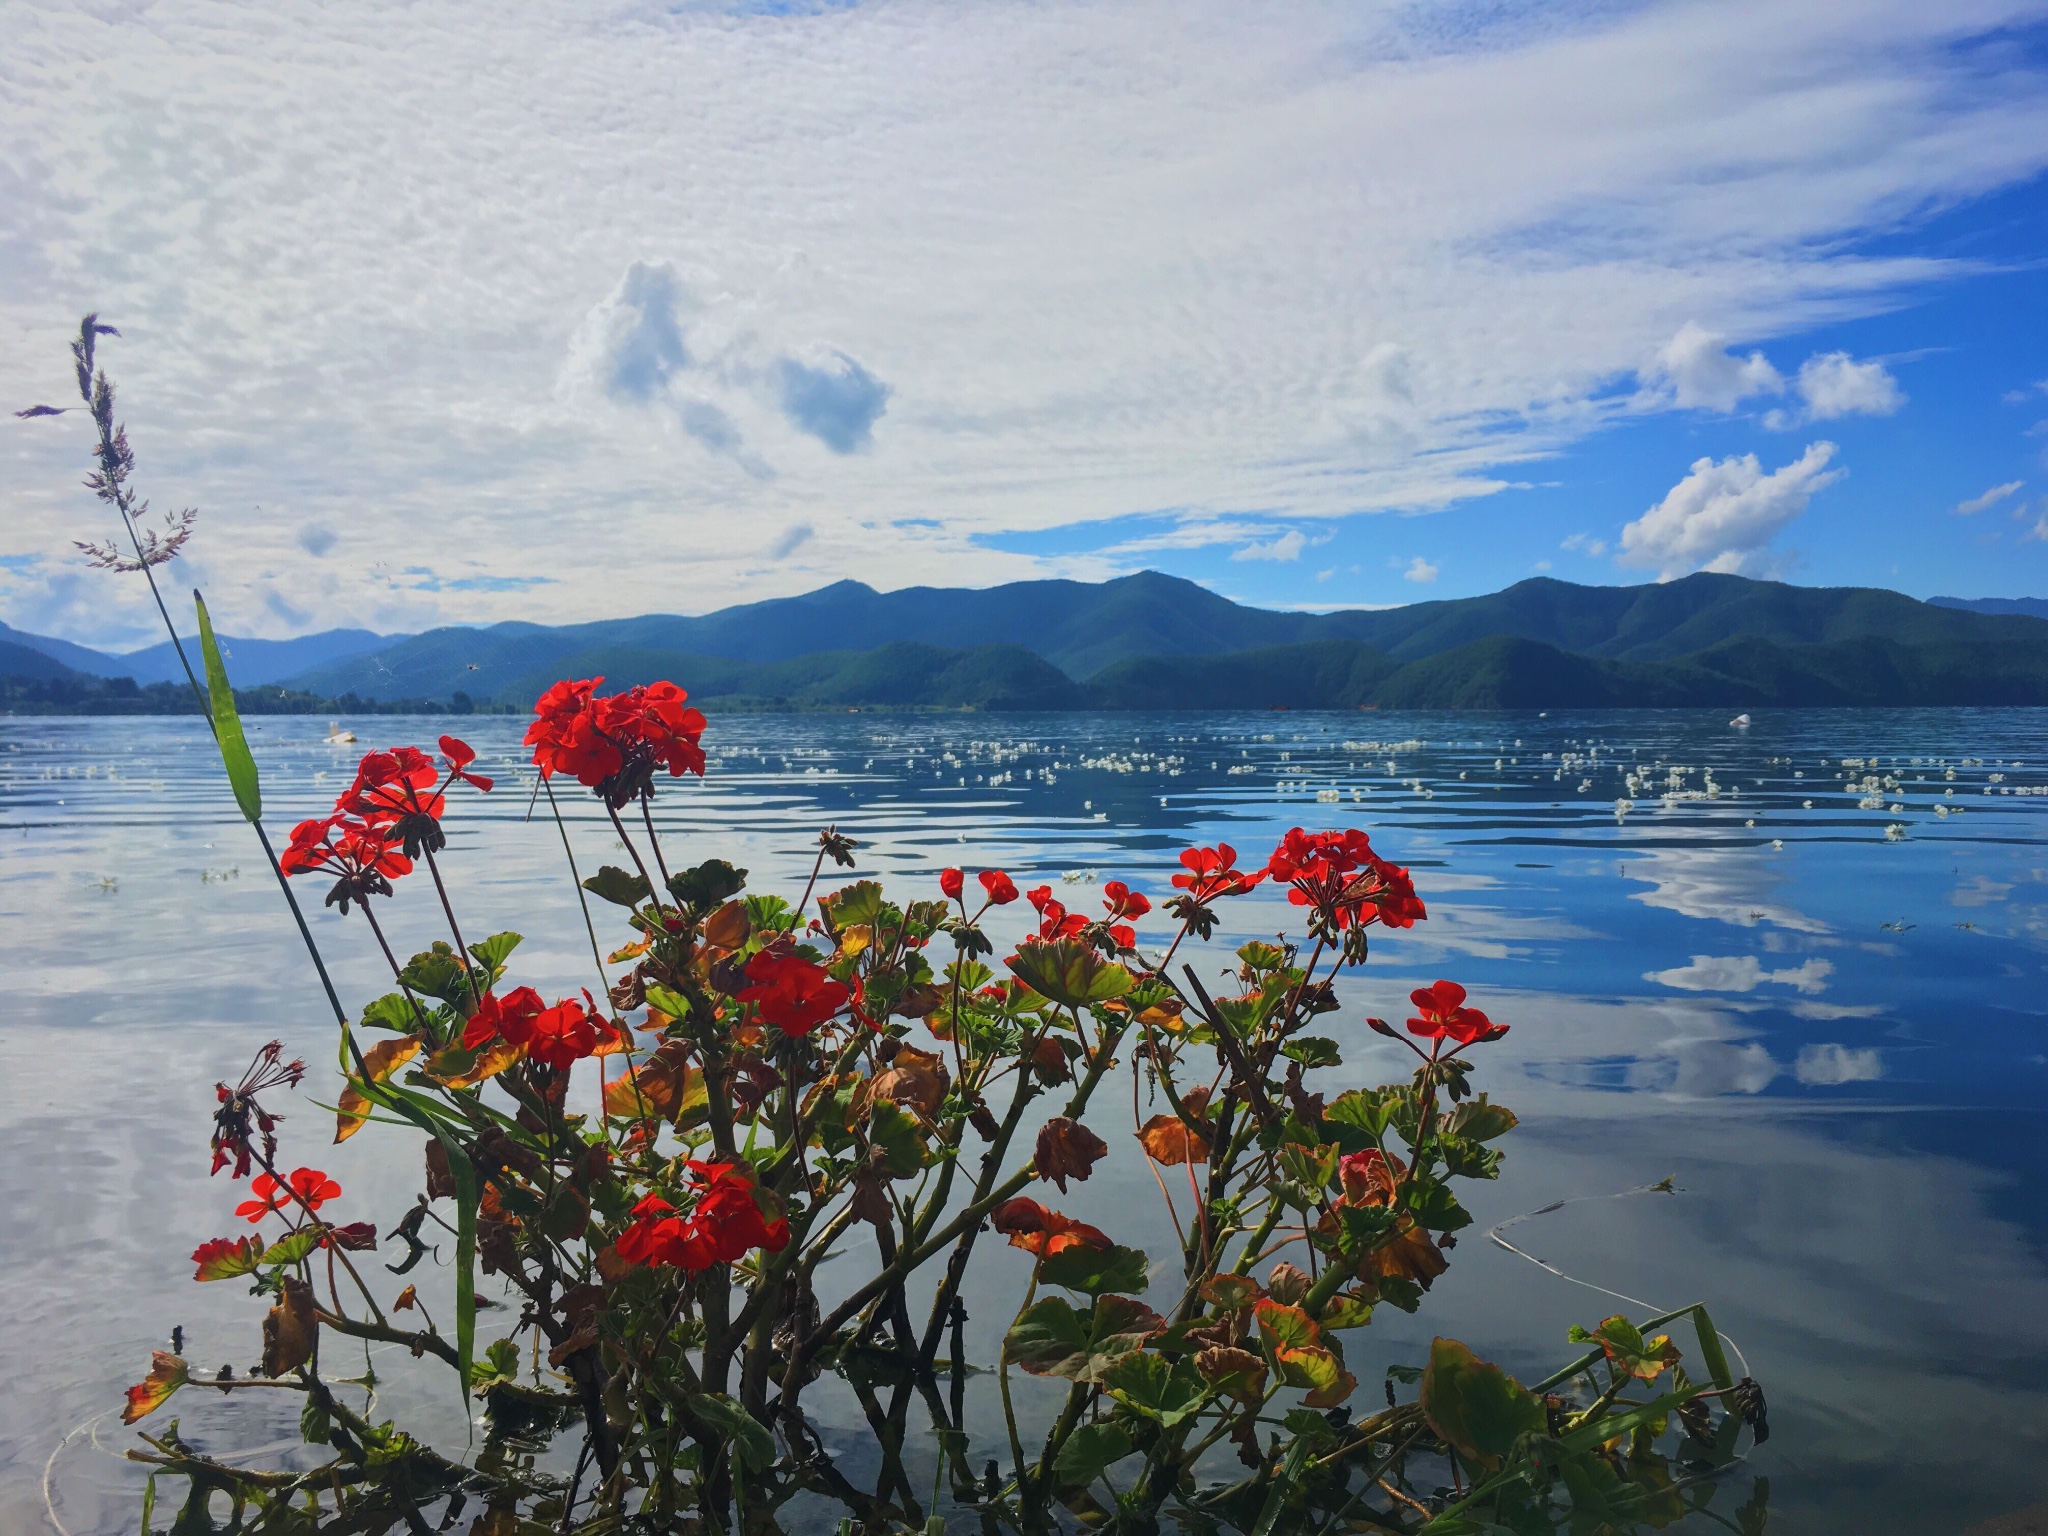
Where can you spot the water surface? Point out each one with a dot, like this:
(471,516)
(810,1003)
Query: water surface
(1802,978)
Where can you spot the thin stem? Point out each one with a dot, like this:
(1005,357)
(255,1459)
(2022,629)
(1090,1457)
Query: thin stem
(582,896)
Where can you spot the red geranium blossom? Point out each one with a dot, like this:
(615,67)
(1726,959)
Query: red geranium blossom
(400,788)
(613,745)
(792,993)
(726,1224)
(1445,1017)
(308,1184)
(951,881)
(1339,875)
(509,1017)
(1054,920)
(456,756)
(1002,890)
(562,1035)
(1126,903)
(1213,872)
(364,857)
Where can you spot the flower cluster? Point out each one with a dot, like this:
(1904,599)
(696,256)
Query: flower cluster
(240,1119)
(1347,884)
(794,994)
(614,744)
(387,817)
(729,1220)
(555,1037)
(305,1188)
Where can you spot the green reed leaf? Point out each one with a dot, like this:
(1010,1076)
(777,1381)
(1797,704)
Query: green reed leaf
(227,725)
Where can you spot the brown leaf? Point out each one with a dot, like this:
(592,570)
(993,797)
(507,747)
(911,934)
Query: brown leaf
(729,926)
(1030,1226)
(870,1201)
(1067,1149)
(1196,1101)
(1288,1283)
(457,1068)
(1050,1062)
(440,1177)
(167,1373)
(918,1001)
(407,1300)
(352,1109)
(1410,1256)
(289,1328)
(1237,1371)
(582,1339)
(1168,1141)
(657,1087)
(916,1080)
(356,1237)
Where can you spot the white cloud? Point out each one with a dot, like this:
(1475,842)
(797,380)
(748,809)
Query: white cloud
(1742,973)
(1586,544)
(1700,373)
(1419,570)
(1822,1066)
(1834,384)
(1723,513)
(1542,566)
(1009,266)
(1990,498)
(1288,546)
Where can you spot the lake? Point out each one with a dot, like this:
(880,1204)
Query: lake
(1799,974)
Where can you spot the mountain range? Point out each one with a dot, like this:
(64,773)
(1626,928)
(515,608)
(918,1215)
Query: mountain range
(1155,641)
(253,662)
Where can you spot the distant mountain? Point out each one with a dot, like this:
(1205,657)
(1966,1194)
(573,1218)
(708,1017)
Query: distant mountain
(1085,629)
(17,660)
(250,662)
(2032,607)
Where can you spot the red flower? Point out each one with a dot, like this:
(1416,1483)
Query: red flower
(1339,875)
(1002,890)
(951,882)
(1213,872)
(363,855)
(456,756)
(509,1017)
(1122,901)
(727,1223)
(561,1035)
(309,1184)
(1444,1016)
(792,993)
(1054,921)
(613,745)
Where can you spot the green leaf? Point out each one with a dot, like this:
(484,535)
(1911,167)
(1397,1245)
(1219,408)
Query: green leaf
(492,953)
(852,906)
(1479,1120)
(1346,1312)
(707,885)
(391,1011)
(438,973)
(228,1258)
(292,1247)
(1310,1425)
(227,725)
(499,1364)
(1435,1207)
(1285,1327)
(1474,1406)
(1362,1109)
(1149,1387)
(674,1004)
(1090,1451)
(615,885)
(1069,973)
(1313,1051)
(1261,958)
(897,1132)
(752,1446)
(1053,1338)
(1094,1271)
(315,1428)
(1711,1353)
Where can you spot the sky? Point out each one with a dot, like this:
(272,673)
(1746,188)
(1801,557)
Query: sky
(563,311)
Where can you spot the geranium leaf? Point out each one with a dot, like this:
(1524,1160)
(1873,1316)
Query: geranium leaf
(617,886)
(227,724)
(1050,1339)
(707,885)
(438,973)
(1091,1450)
(293,1246)
(226,1258)
(391,1011)
(1153,1389)
(752,1446)
(167,1373)
(352,1109)
(1284,1327)
(1474,1406)
(492,953)
(1069,973)
(1095,1270)
(1478,1120)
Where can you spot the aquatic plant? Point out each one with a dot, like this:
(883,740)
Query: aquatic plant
(809,1117)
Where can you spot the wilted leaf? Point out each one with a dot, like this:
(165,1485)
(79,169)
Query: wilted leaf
(226,1258)
(458,1068)
(1288,1283)
(1474,1406)
(1230,1293)
(1167,1140)
(660,1086)
(729,926)
(915,1079)
(1082,1267)
(1069,972)
(1346,1312)
(618,886)
(1067,1149)
(352,1110)
(1628,1350)
(1091,1450)
(407,1300)
(289,1327)
(1035,1229)
(167,1373)
(1237,1371)
(1285,1327)
(1409,1256)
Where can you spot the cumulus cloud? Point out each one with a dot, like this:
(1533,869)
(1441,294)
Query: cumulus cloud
(1822,1066)
(1701,374)
(1990,498)
(1087,262)
(1724,512)
(1419,570)
(1288,546)
(1834,384)
(1742,973)
(1586,544)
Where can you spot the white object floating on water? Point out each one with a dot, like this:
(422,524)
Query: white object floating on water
(1778,844)
(336,736)
(1740,722)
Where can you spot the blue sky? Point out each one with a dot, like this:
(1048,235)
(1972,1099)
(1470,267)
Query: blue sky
(568,311)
